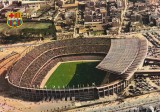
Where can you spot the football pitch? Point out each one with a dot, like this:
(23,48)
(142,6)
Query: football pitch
(75,74)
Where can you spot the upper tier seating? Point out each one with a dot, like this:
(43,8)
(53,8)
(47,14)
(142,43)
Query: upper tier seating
(124,56)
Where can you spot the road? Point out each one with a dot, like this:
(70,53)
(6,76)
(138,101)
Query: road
(126,105)
(55,18)
(152,59)
(122,17)
(148,71)
(23,44)
(75,33)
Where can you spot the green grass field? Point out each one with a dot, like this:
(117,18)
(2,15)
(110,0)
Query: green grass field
(75,73)
(33,25)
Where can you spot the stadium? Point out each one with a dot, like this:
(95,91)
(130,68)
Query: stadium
(79,69)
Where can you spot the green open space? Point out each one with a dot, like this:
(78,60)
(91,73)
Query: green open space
(25,25)
(76,74)
(28,31)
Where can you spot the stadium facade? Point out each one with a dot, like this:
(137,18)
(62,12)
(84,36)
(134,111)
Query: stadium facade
(119,56)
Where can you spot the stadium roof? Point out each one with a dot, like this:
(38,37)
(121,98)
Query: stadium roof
(125,56)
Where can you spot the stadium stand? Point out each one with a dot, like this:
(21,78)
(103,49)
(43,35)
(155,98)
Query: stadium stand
(124,56)
(143,48)
(119,56)
(47,56)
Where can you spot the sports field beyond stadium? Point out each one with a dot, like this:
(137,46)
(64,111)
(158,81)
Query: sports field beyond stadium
(75,74)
